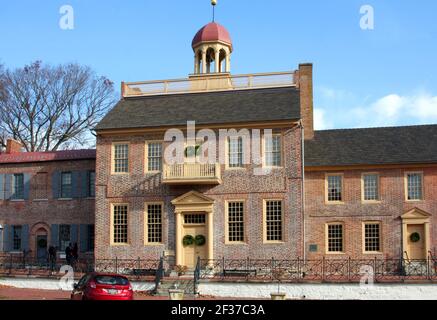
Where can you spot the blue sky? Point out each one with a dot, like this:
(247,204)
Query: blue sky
(380,77)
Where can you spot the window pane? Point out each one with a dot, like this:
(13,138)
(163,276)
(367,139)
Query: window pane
(121,158)
(66,185)
(91,236)
(154,157)
(194,218)
(64,236)
(235,152)
(335,188)
(274,220)
(371,191)
(273,151)
(120,224)
(154,223)
(18,186)
(236,221)
(335,238)
(92,184)
(414,186)
(372,237)
(17,237)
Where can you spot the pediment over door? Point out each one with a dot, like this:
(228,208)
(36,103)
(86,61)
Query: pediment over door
(416,214)
(193,201)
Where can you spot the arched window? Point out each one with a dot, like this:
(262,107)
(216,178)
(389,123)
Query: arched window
(210,60)
(222,65)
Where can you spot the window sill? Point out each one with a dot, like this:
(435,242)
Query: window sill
(17,200)
(371,201)
(120,173)
(64,199)
(153,244)
(235,169)
(372,252)
(273,242)
(334,202)
(40,200)
(119,244)
(418,200)
(335,253)
(235,243)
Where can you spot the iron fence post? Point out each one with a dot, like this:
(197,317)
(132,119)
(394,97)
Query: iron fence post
(428,275)
(116,265)
(349,269)
(323,268)
(223,267)
(10,263)
(375,273)
(298,268)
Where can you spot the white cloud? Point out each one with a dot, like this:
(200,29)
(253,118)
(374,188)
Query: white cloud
(390,110)
(320,121)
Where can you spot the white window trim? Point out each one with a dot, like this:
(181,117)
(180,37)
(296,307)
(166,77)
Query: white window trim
(113,157)
(343,235)
(378,187)
(111,230)
(146,158)
(263,152)
(146,224)
(342,188)
(381,250)
(265,241)
(406,185)
(227,222)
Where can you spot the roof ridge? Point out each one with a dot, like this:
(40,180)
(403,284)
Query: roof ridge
(380,127)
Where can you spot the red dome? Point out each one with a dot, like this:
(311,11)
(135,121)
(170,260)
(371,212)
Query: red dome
(212,32)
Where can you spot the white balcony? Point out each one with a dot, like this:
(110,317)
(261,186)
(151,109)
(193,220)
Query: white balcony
(192,173)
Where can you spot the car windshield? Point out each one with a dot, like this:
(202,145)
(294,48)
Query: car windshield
(112,280)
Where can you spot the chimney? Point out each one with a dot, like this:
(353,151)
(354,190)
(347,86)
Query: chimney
(305,85)
(13,146)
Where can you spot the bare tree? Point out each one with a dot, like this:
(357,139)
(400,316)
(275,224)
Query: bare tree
(52,107)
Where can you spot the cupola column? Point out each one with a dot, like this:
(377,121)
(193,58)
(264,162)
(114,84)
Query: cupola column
(203,61)
(217,61)
(228,62)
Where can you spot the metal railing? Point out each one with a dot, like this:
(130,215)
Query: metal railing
(258,270)
(196,276)
(191,172)
(217,82)
(159,274)
(319,270)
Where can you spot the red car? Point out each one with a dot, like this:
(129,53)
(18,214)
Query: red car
(102,286)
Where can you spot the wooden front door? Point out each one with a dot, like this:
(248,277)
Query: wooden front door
(194,224)
(416,249)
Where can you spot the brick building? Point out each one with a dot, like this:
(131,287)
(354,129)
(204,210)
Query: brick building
(368,192)
(371,193)
(46,198)
(147,207)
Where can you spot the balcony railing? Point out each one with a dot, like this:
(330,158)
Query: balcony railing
(213,82)
(192,173)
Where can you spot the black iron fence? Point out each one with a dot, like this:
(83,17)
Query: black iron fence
(320,270)
(262,270)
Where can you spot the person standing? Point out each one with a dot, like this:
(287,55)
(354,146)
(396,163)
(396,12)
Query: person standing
(68,254)
(52,257)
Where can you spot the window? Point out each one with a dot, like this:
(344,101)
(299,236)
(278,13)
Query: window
(66,185)
(18,187)
(90,238)
(414,186)
(154,156)
(372,242)
(121,158)
(64,236)
(154,223)
(334,188)
(17,237)
(370,187)
(272,150)
(236,221)
(119,224)
(235,152)
(91,184)
(335,238)
(273,220)
(194,219)
(40,189)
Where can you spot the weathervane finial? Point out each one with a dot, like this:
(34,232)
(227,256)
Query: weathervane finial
(213,3)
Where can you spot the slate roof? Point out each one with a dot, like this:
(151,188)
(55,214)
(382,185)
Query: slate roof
(204,108)
(371,146)
(27,157)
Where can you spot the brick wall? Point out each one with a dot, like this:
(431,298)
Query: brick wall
(353,212)
(39,215)
(138,187)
